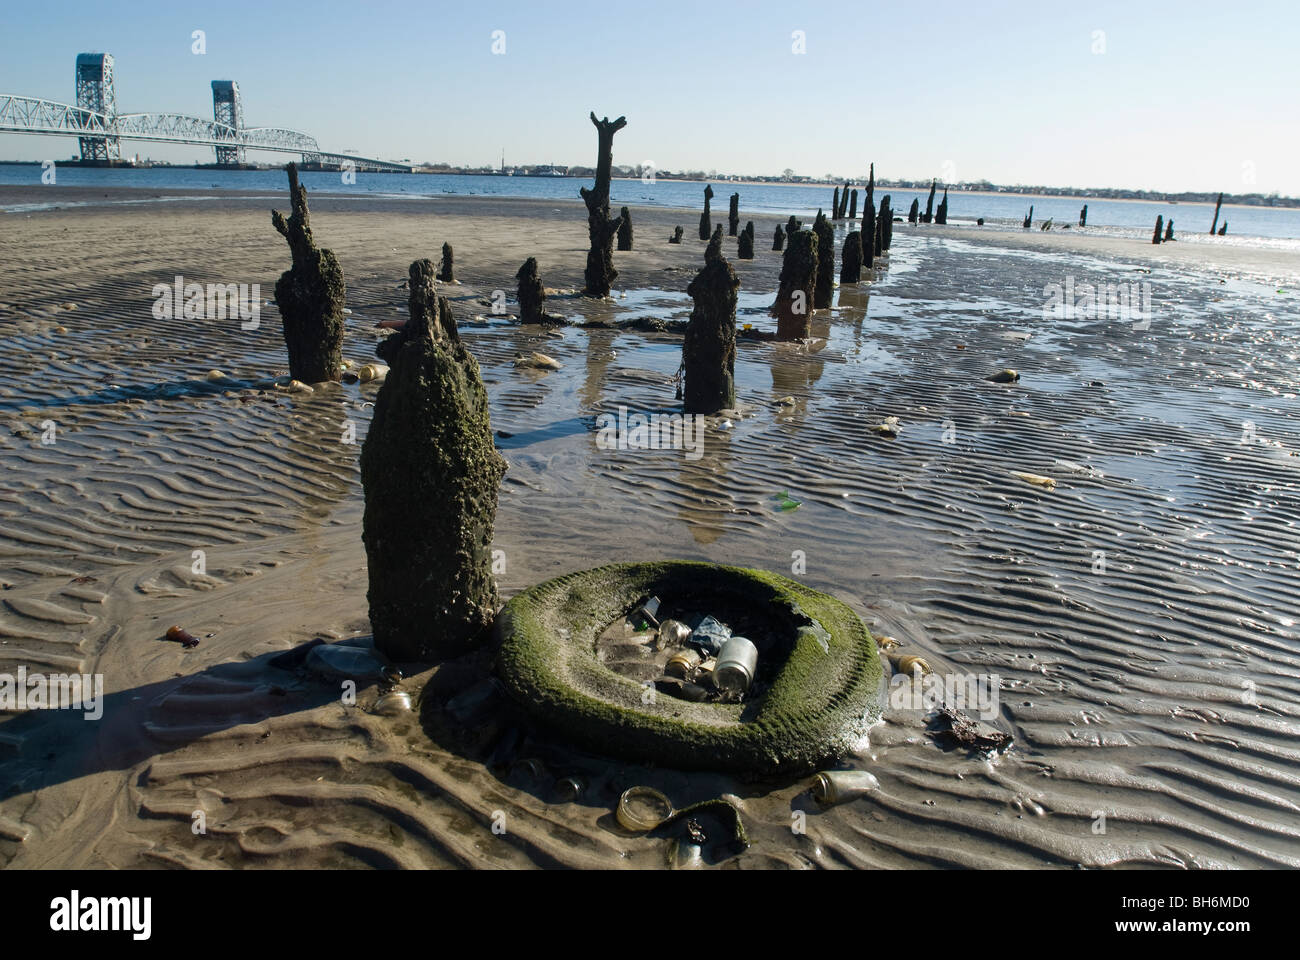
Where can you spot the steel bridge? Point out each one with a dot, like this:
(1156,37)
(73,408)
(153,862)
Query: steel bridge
(95,122)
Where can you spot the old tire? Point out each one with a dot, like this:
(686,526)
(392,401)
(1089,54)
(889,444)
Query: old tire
(822,698)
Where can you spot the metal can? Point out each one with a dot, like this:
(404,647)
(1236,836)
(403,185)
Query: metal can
(568,789)
(672,633)
(682,664)
(737,661)
(837,786)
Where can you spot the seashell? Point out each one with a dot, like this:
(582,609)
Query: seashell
(1047,483)
(60,329)
(537,361)
(215,375)
(372,371)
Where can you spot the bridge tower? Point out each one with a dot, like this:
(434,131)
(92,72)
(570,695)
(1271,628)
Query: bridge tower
(227,108)
(95,92)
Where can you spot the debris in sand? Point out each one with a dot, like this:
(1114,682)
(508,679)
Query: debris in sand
(1047,483)
(642,809)
(1004,376)
(393,704)
(537,361)
(839,786)
(887,428)
(183,637)
(215,375)
(955,727)
(785,501)
(372,371)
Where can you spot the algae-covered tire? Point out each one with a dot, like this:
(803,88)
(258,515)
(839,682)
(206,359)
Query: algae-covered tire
(822,697)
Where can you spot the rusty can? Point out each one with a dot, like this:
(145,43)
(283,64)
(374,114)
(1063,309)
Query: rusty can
(683,664)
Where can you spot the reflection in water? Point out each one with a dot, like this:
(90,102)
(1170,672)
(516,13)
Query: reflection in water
(709,481)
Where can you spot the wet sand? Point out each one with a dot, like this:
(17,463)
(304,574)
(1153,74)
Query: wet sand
(1159,691)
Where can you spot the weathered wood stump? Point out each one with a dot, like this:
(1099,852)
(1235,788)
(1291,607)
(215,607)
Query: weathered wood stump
(310,295)
(794,298)
(868,238)
(1083,216)
(706,226)
(1169,231)
(447,270)
(1029,218)
(624,229)
(1223,230)
(601,228)
(733,215)
(792,226)
(825,286)
(745,243)
(1218,203)
(887,221)
(941,215)
(851,258)
(709,347)
(1160,224)
(677,235)
(835,205)
(914,212)
(778,238)
(929,204)
(431,475)
(853,204)
(532,295)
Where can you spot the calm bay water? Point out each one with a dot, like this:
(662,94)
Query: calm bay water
(1275,227)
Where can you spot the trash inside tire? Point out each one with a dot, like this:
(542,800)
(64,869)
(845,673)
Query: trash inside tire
(824,685)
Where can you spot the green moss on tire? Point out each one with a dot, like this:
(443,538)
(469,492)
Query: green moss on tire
(823,697)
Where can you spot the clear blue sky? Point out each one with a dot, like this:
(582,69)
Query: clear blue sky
(1187,95)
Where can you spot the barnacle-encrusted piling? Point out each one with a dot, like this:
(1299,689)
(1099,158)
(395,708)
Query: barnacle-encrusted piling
(913,213)
(745,242)
(1217,204)
(1083,216)
(600,271)
(1169,231)
(835,205)
(778,238)
(310,295)
(868,238)
(887,223)
(430,475)
(851,258)
(677,235)
(446,272)
(792,226)
(1160,227)
(853,204)
(709,348)
(532,295)
(733,215)
(941,215)
(1029,218)
(929,204)
(706,225)
(826,262)
(624,229)
(794,298)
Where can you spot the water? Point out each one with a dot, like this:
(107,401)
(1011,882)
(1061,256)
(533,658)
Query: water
(1272,225)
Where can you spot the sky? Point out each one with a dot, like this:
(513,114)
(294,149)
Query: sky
(1143,94)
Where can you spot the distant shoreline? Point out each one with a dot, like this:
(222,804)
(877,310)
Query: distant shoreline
(1252,200)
